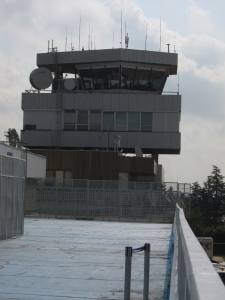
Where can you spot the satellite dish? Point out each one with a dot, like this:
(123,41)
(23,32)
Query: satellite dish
(69,84)
(41,78)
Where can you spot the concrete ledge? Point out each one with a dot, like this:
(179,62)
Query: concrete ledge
(193,275)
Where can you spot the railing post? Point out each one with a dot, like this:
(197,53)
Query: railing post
(146,271)
(127,282)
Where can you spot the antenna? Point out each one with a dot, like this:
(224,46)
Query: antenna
(174,48)
(126,37)
(48,45)
(71,44)
(168,47)
(113,40)
(94,43)
(127,40)
(146,37)
(160,34)
(121,30)
(178,83)
(66,41)
(89,38)
(79,34)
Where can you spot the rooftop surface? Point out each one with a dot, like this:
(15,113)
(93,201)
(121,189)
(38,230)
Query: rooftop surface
(71,259)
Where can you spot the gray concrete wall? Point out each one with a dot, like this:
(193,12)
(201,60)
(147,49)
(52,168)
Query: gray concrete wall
(46,111)
(12,183)
(109,55)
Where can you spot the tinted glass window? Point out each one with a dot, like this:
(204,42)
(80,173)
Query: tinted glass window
(133,121)
(95,120)
(121,121)
(108,121)
(82,120)
(146,121)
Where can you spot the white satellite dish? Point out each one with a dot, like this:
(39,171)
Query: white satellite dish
(69,84)
(41,78)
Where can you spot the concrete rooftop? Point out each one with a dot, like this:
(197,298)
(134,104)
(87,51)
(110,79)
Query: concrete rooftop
(71,259)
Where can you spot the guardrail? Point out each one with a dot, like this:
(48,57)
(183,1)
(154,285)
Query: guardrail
(193,275)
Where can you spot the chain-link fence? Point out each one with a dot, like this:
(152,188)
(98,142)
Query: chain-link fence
(12,182)
(105,200)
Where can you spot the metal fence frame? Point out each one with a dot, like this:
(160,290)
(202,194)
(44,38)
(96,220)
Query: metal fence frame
(105,200)
(12,187)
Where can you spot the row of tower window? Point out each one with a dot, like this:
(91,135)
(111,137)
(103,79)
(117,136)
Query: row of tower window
(96,120)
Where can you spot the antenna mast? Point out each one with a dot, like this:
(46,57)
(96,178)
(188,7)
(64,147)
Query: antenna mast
(66,41)
(79,33)
(121,30)
(146,37)
(113,40)
(160,34)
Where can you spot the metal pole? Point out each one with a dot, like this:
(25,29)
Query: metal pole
(127,282)
(146,272)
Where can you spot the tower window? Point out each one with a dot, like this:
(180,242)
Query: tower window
(95,120)
(146,121)
(121,121)
(82,120)
(108,121)
(133,121)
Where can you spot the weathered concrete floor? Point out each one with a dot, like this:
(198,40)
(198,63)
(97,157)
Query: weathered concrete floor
(69,259)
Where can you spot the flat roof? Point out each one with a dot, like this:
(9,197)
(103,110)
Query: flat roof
(61,259)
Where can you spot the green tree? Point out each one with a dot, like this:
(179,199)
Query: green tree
(12,137)
(214,197)
(208,204)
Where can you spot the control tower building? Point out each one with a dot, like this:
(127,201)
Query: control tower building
(88,111)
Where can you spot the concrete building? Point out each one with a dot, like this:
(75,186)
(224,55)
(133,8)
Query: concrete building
(35,164)
(103,104)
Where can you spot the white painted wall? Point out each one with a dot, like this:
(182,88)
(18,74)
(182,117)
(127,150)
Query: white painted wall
(11,151)
(36,166)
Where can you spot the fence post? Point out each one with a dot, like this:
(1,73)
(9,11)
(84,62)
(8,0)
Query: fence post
(146,271)
(127,282)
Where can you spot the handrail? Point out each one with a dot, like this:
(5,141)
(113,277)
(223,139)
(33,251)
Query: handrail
(193,275)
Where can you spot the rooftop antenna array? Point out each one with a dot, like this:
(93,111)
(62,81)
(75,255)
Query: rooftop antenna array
(52,48)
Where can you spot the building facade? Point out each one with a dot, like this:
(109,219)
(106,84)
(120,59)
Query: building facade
(102,105)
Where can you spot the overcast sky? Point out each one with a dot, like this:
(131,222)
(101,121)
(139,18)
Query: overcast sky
(196,27)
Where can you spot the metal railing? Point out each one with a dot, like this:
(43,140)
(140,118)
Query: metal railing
(108,200)
(129,251)
(12,183)
(193,275)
